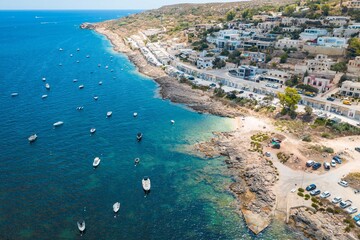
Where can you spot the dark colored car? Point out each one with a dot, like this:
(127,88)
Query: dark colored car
(337,159)
(311,187)
(316,166)
(331,99)
(357,149)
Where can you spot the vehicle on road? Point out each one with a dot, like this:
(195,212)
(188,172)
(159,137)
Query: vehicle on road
(331,99)
(327,166)
(316,166)
(333,163)
(357,149)
(310,163)
(351,210)
(336,200)
(345,204)
(315,192)
(337,159)
(343,183)
(325,194)
(357,218)
(311,187)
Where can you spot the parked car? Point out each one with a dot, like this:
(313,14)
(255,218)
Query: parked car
(241,91)
(276,140)
(337,159)
(310,187)
(343,183)
(315,192)
(331,99)
(357,191)
(327,165)
(357,149)
(316,166)
(267,154)
(351,210)
(325,194)
(357,218)
(358,223)
(333,163)
(345,204)
(336,200)
(310,163)
(346,102)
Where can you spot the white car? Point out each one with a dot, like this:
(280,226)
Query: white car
(267,154)
(343,183)
(336,200)
(351,210)
(333,163)
(325,194)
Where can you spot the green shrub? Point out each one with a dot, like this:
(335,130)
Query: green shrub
(347,229)
(307,138)
(330,210)
(301,190)
(314,199)
(314,205)
(307,195)
(300,194)
(326,135)
(328,150)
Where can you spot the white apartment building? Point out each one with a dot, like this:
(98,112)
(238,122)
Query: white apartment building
(288,43)
(311,34)
(354,4)
(267,25)
(229,39)
(205,62)
(332,42)
(319,63)
(354,65)
(349,88)
(275,76)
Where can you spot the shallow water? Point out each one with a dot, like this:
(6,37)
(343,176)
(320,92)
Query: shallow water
(48,185)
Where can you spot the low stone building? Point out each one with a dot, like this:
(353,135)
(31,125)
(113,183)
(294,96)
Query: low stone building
(321,83)
(354,65)
(288,43)
(350,88)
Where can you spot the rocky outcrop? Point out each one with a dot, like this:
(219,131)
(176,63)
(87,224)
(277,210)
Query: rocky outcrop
(253,174)
(320,225)
(87,26)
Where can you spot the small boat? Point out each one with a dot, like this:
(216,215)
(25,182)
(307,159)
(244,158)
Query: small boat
(106,67)
(137,161)
(96,162)
(71,55)
(108,114)
(44,79)
(75,80)
(77,61)
(14,94)
(139,136)
(116,207)
(80,108)
(57,124)
(96,98)
(111,70)
(60,49)
(92,131)
(81,86)
(135,114)
(87,56)
(81,226)
(47,86)
(146,184)
(32,138)
(78,49)
(44,96)
(172,121)
(60,64)
(99,65)
(100,83)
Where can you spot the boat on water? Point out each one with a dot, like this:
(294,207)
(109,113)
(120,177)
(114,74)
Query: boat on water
(111,70)
(146,184)
(81,226)
(44,96)
(43,79)
(106,67)
(78,49)
(71,55)
(116,207)
(100,83)
(135,114)
(57,124)
(99,65)
(139,136)
(172,121)
(75,80)
(96,98)
(137,161)
(47,86)
(14,94)
(92,131)
(32,138)
(81,86)
(60,64)
(80,108)
(96,162)
(108,114)
(77,61)
(87,56)
(60,49)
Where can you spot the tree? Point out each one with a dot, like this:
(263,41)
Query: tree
(339,67)
(308,110)
(353,49)
(289,100)
(289,10)
(218,63)
(283,58)
(325,9)
(230,16)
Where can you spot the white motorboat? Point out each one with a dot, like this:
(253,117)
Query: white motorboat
(106,67)
(60,49)
(96,162)
(87,56)
(57,124)
(81,226)
(100,83)
(96,98)
(14,94)
(139,136)
(71,55)
(80,108)
(47,86)
(146,184)
(60,64)
(116,207)
(77,61)
(108,114)
(44,96)
(99,65)
(93,130)
(75,80)
(172,121)
(135,114)
(32,138)
(81,86)
(78,49)
(111,70)
(137,161)
(44,79)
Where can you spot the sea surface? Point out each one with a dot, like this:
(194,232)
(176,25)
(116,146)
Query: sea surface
(47,186)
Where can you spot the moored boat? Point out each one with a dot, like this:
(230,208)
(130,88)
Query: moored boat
(116,207)
(57,124)
(81,226)
(137,161)
(96,98)
(139,136)
(60,49)
(96,162)
(146,184)
(100,83)
(14,94)
(43,79)
(32,138)
(81,86)
(47,86)
(92,131)
(108,114)
(44,96)
(172,121)
(78,49)
(75,80)
(80,108)
(135,114)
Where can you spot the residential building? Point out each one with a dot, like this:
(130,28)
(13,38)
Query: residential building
(228,39)
(321,83)
(354,65)
(337,20)
(288,43)
(291,29)
(255,56)
(311,34)
(291,21)
(247,72)
(261,45)
(319,63)
(332,42)
(267,25)
(349,88)
(205,62)
(355,4)
(346,32)
(275,76)
(260,17)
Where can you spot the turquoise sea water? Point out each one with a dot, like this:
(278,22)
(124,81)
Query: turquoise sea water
(48,185)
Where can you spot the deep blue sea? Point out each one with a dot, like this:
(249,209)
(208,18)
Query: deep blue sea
(47,186)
